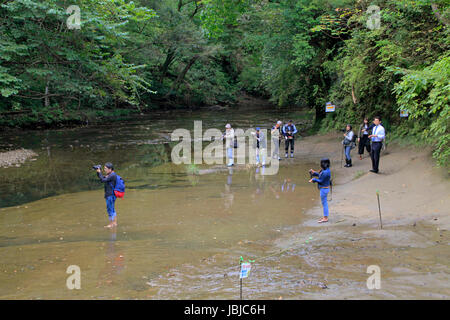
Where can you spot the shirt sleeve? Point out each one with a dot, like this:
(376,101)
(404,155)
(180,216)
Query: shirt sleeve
(295,129)
(109,178)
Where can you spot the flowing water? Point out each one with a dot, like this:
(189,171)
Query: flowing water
(182,229)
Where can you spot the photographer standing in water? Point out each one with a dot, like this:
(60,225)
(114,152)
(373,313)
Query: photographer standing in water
(110,181)
(323,184)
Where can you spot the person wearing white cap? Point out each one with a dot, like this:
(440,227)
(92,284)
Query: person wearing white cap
(276,136)
(229,143)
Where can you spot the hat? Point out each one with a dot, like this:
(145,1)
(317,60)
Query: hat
(290,121)
(258,128)
(228,126)
(279,122)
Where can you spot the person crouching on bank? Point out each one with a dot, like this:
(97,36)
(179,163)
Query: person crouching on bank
(323,184)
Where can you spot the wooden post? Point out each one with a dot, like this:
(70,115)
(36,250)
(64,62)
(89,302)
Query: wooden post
(379,209)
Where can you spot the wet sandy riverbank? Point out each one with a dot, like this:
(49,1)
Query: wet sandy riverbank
(329,261)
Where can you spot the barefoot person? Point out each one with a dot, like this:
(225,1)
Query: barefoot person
(323,183)
(110,182)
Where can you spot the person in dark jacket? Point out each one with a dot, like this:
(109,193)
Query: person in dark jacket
(323,184)
(289,130)
(348,145)
(110,182)
(363,137)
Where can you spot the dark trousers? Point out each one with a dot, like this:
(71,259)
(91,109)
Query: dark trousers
(288,142)
(375,155)
(364,142)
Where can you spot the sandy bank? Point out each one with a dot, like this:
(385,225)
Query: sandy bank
(411,187)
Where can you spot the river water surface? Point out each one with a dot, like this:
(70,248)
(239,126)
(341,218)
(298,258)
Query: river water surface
(53,211)
(183,229)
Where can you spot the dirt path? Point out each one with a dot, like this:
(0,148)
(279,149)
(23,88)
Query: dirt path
(411,187)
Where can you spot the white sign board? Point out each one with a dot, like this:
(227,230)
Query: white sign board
(245,270)
(330,107)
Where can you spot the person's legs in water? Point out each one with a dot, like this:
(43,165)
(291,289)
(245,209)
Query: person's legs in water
(324,199)
(276,151)
(257,152)
(230,156)
(110,202)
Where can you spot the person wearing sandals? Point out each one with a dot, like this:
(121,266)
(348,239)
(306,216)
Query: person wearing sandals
(363,138)
(349,144)
(323,184)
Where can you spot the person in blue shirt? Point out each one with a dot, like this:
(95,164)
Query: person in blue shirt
(377,138)
(323,184)
(289,130)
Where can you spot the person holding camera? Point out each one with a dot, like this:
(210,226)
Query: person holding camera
(363,138)
(349,144)
(276,139)
(377,137)
(289,130)
(323,184)
(110,181)
(229,144)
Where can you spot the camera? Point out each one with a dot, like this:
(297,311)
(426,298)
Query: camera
(99,166)
(344,130)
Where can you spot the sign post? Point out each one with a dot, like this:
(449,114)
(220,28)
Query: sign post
(244,272)
(329,107)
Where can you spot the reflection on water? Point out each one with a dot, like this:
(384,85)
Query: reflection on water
(67,156)
(170,217)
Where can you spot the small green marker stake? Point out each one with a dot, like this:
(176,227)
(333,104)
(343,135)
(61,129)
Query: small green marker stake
(379,209)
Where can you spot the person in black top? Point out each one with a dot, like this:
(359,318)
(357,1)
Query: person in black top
(363,137)
(110,182)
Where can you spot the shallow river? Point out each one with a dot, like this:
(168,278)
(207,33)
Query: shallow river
(182,230)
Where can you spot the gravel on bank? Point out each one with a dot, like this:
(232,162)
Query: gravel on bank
(15,157)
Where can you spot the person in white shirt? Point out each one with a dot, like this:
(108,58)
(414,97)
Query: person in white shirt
(276,139)
(377,138)
(229,144)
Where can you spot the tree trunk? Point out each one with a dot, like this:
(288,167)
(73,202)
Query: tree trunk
(46,99)
(169,59)
(181,76)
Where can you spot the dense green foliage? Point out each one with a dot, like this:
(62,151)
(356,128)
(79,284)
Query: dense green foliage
(134,56)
